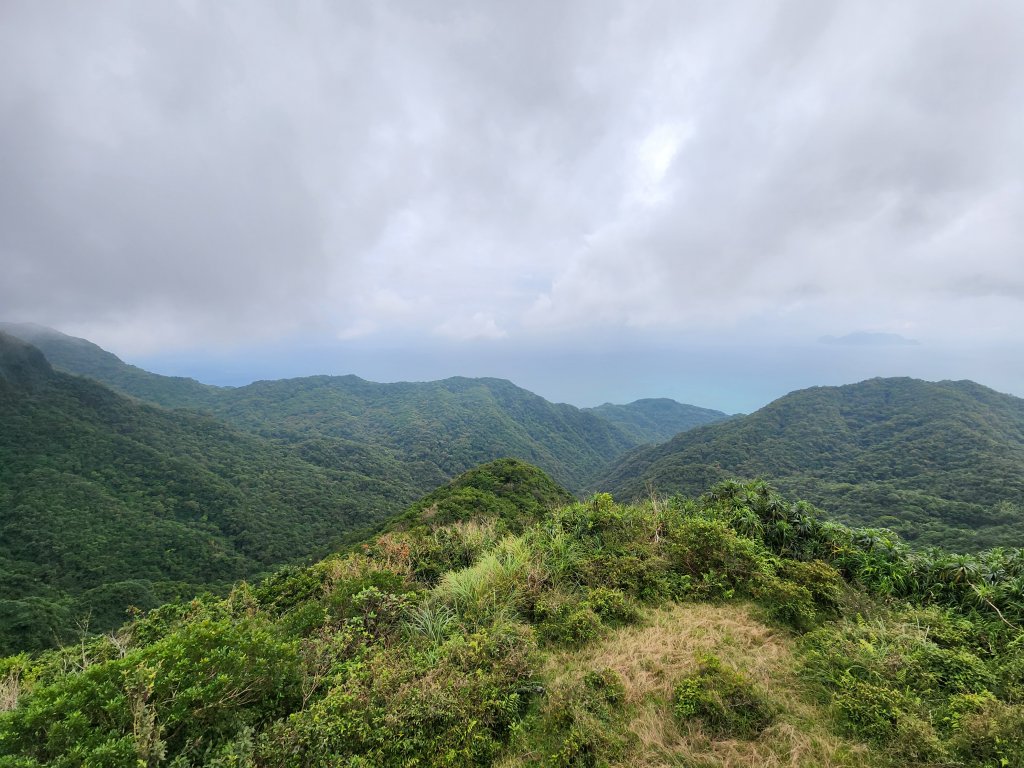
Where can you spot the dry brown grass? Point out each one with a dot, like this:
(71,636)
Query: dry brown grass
(650,659)
(394,557)
(10,688)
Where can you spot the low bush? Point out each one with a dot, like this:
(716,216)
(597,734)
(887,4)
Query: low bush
(725,702)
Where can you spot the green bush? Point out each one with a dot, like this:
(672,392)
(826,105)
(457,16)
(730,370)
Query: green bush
(565,619)
(787,602)
(824,582)
(867,711)
(985,731)
(456,708)
(614,607)
(719,563)
(578,721)
(726,703)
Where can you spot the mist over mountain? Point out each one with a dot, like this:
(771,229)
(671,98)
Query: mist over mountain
(80,356)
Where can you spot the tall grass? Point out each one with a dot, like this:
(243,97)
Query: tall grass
(494,582)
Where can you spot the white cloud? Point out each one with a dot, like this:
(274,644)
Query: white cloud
(478,326)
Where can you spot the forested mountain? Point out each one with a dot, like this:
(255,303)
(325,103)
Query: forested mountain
(82,357)
(106,502)
(508,493)
(653,420)
(941,463)
(489,629)
(434,429)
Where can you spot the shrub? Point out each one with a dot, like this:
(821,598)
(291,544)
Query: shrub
(985,731)
(717,560)
(398,709)
(577,718)
(786,602)
(824,582)
(723,700)
(565,619)
(868,711)
(613,606)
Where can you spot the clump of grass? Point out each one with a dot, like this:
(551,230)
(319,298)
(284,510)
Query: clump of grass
(434,622)
(492,584)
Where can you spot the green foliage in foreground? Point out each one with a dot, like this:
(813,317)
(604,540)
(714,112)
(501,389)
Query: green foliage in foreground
(389,657)
(942,463)
(510,493)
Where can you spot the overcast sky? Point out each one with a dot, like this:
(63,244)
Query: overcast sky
(715,201)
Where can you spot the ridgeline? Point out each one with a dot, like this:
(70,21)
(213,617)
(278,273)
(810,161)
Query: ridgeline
(940,463)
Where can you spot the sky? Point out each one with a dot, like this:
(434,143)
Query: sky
(713,201)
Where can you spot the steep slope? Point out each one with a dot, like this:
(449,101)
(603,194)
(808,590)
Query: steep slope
(106,502)
(654,420)
(438,429)
(507,492)
(941,463)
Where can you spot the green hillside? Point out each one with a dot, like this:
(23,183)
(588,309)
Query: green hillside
(654,420)
(940,463)
(434,429)
(507,493)
(81,357)
(732,630)
(106,502)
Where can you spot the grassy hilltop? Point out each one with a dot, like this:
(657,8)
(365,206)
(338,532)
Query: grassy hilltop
(500,624)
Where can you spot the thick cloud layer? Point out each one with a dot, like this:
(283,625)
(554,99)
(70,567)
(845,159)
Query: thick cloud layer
(241,171)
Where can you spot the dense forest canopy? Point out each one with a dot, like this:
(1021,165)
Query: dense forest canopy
(106,502)
(110,503)
(434,429)
(941,463)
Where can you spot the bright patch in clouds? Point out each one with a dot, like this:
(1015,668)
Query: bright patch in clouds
(654,156)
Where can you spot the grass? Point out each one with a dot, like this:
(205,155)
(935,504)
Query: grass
(490,585)
(649,659)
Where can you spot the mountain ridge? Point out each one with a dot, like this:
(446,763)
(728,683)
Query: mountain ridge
(107,501)
(437,428)
(655,419)
(890,451)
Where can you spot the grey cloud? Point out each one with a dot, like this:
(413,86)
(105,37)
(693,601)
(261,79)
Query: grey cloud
(869,339)
(831,152)
(184,172)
